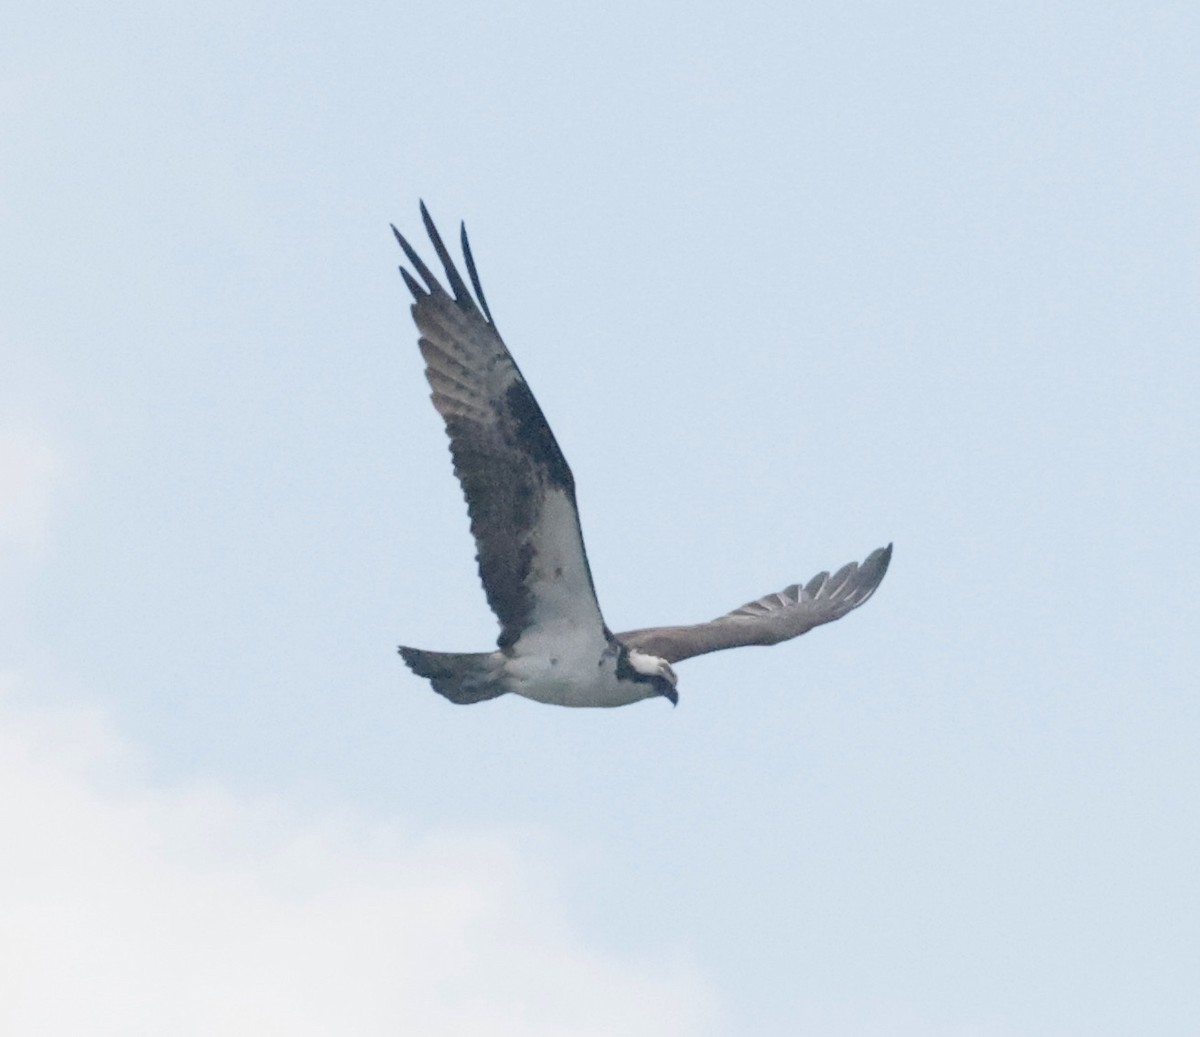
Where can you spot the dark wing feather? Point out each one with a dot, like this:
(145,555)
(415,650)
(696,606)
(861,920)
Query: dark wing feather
(519,490)
(777,617)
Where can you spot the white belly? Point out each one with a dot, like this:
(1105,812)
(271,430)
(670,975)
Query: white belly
(570,674)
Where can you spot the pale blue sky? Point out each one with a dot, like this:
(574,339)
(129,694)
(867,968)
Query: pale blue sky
(790,281)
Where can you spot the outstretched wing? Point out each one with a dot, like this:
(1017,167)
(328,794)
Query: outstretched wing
(519,489)
(775,618)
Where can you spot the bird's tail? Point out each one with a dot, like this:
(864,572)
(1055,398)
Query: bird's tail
(463,677)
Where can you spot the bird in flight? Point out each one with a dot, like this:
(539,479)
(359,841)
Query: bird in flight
(554,645)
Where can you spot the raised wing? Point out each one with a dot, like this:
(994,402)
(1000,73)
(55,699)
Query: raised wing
(777,617)
(519,489)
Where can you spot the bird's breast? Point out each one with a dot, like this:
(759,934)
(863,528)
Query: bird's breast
(564,678)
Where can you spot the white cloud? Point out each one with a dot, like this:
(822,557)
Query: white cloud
(127,909)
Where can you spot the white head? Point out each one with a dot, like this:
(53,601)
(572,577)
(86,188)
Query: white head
(662,677)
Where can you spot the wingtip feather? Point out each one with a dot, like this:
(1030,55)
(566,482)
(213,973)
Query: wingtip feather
(414,286)
(461,295)
(473,273)
(417,262)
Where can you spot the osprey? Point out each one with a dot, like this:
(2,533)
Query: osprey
(554,645)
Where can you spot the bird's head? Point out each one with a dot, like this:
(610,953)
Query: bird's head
(656,672)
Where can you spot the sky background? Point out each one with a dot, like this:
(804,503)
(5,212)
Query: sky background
(790,281)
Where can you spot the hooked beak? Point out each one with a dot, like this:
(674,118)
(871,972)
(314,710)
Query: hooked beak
(671,694)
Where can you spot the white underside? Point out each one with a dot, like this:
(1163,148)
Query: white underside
(569,671)
(563,658)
